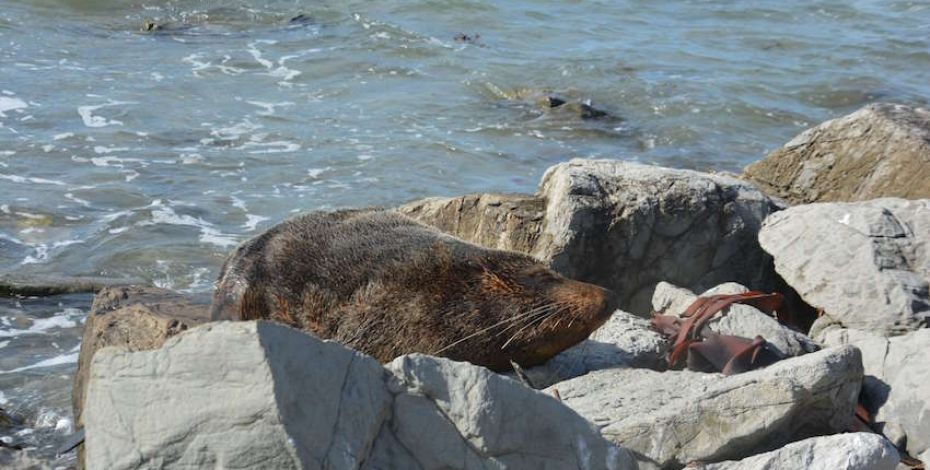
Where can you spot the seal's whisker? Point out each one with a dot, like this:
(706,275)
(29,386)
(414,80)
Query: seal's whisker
(535,315)
(534,322)
(484,330)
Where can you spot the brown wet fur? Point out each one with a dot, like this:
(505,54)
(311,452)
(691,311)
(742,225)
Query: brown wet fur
(385,284)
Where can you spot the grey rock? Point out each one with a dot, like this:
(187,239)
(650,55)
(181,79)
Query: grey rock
(262,395)
(624,226)
(736,320)
(675,417)
(866,264)
(854,451)
(895,389)
(134,318)
(881,150)
(625,340)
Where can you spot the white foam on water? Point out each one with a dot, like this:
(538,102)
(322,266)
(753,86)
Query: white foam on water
(42,250)
(316,172)
(235,131)
(3,344)
(76,199)
(31,180)
(91,120)
(162,214)
(131,175)
(101,150)
(3,399)
(67,318)
(268,108)
(71,357)
(277,146)
(11,104)
(252,221)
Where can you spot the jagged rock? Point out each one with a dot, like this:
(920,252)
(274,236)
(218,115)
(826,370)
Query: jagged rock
(866,264)
(675,417)
(503,222)
(895,389)
(135,318)
(263,395)
(880,150)
(736,320)
(626,340)
(624,226)
(855,451)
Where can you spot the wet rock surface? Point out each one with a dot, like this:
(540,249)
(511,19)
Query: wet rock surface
(881,150)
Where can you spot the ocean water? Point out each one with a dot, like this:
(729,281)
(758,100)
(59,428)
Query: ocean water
(150,154)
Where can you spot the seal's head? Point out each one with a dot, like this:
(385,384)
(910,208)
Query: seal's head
(527,313)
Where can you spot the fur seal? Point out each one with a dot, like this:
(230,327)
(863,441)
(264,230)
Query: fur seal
(386,285)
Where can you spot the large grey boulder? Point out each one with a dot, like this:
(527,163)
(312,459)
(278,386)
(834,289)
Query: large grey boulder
(866,264)
(736,320)
(134,318)
(881,150)
(621,225)
(262,395)
(854,451)
(625,340)
(895,390)
(675,417)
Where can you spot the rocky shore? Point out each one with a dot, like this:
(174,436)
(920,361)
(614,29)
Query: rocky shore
(837,223)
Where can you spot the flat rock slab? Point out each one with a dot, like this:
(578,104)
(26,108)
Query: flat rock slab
(866,264)
(881,150)
(135,319)
(854,451)
(675,417)
(621,225)
(262,395)
(895,390)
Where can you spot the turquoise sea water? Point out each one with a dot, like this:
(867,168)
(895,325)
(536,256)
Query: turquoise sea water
(151,154)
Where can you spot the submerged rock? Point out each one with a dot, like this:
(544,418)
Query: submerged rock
(880,150)
(264,395)
(675,417)
(43,285)
(855,451)
(623,226)
(895,390)
(866,264)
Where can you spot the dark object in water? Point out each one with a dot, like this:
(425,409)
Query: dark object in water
(467,38)
(301,19)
